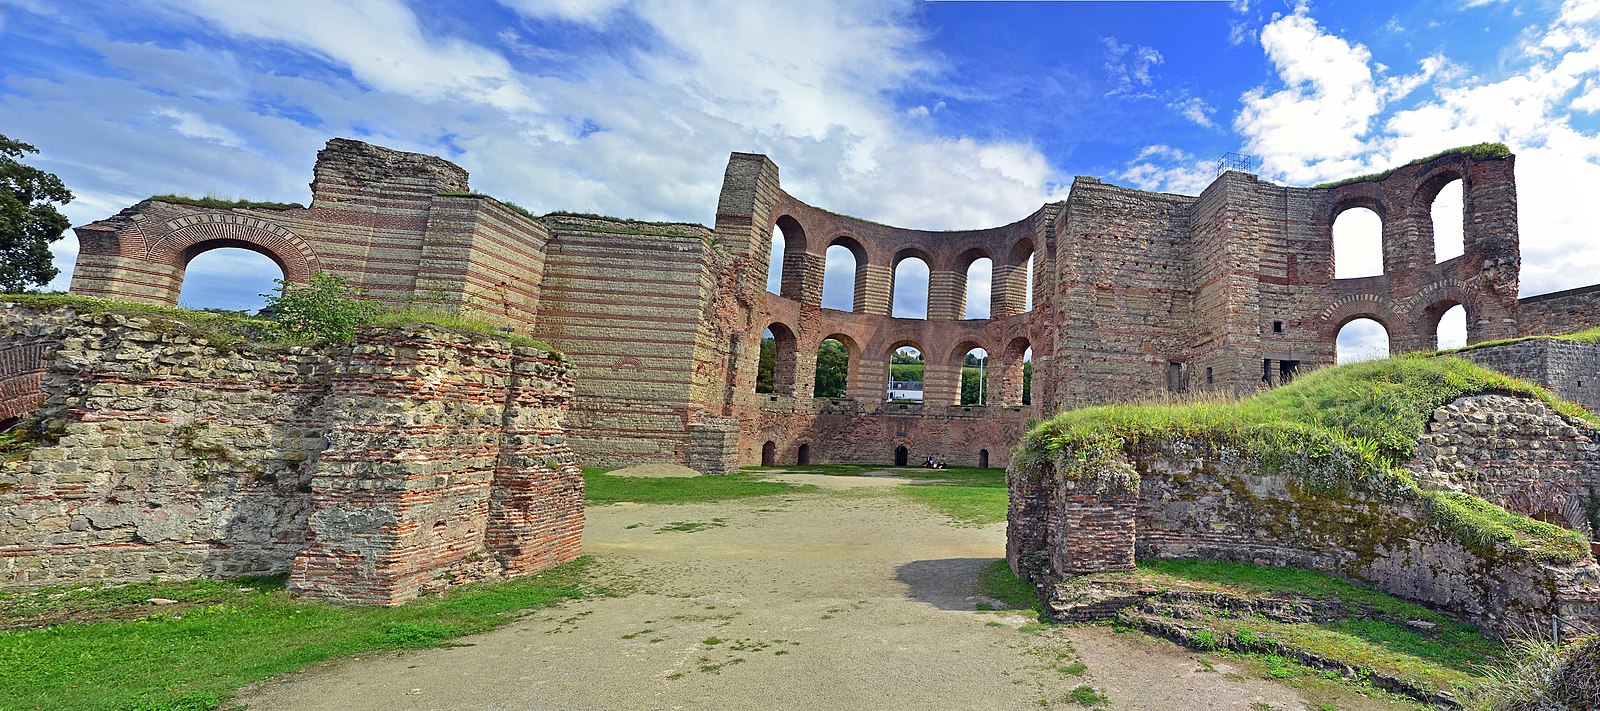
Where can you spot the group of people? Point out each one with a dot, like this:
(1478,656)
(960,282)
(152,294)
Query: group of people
(934,462)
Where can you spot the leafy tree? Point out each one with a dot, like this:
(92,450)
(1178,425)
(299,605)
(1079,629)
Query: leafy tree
(767,365)
(906,371)
(29,221)
(324,310)
(904,358)
(1027,383)
(833,368)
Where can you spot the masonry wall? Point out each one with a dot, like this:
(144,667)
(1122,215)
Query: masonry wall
(1198,501)
(1560,312)
(1569,369)
(371,472)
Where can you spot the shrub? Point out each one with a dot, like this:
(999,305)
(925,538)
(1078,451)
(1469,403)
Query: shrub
(323,310)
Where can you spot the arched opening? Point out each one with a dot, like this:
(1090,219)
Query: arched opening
(775,256)
(980,278)
(1357,244)
(1361,339)
(974,377)
(1027,289)
(844,275)
(1013,279)
(229,278)
(906,366)
(1452,329)
(901,455)
(776,364)
(1016,373)
(1448,214)
(769,454)
(983,459)
(803,455)
(1027,376)
(910,296)
(833,369)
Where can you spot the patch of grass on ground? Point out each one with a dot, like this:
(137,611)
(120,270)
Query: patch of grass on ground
(601,488)
(998,582)
(966,505)
(968,495)
(1372,635)
(1586,336)
(225,634)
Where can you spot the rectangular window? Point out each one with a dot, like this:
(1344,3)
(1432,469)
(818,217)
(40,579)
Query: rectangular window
(1287,369)
(1177,377)
(1208,376)
(1266,371)
(1277,327)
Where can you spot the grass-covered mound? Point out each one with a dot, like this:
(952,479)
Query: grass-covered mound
(1343,428)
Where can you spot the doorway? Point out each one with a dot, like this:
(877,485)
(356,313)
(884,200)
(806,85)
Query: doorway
(901,455)
(769,454)
(983,459)
(804,456)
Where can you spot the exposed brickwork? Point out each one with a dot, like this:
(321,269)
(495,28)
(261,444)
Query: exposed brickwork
(1570,370)
(1135,294)
(1560,312)
(370,472)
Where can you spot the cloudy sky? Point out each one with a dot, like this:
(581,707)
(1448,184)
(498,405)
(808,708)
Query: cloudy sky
(932,115)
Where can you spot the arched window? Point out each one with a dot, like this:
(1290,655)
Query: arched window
(1452,329)
(905,374)
(1357,244)
(1016,373)
(775,366)
(980,276)
(841,275)
(974,377)
(769,454)
(1027,376)
(1361,339)
(775,258)
(229,278)
(1027,302)
(910,288)
(833,369)
(768,362)
(1449,217)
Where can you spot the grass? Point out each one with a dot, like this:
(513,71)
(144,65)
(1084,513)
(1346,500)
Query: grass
(453,322)
(601,488)
(219,203)
(225,634)
(966,505)
(1085,695)
(1343,428)
(998,582)
(1587,336)
(525,212)
(1541,675)
(968,495)
(1372,635)
(1477,151)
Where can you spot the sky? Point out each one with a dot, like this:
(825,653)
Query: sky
(935,115)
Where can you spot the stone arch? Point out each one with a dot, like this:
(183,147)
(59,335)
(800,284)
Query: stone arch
(784,360)
(834,387)
(1009,369)
(1429,188)
(1433,313)
(1013,281)
(896,283)
(190,236)
(1388,331)
(888,375)
(802,455)
(957,363)
(858,288)
(1355,266)
(902,456)
(983,459)
(792,265)
(769,454)
(963,283)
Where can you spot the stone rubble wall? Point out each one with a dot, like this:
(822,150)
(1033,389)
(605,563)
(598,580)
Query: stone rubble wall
(371,472)
(1569,369)
(1517,453)
(1559,312)
(1194,500)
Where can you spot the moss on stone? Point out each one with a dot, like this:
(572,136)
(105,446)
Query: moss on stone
(1477,151)
(1335,429)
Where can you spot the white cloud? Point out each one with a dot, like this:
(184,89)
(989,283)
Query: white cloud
(1163,168)
(193,126)
(587,12)
(1195,109)
(1129,66)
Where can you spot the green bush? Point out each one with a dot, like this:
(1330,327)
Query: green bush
(323,310)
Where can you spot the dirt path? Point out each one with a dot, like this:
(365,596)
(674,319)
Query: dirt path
(855,598)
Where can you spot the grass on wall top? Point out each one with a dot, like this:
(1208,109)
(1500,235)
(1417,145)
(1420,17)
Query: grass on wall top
(1587,336)
(1476,151)
(1339,429)
(222,204)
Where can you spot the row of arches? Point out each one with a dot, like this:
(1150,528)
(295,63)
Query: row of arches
(968,377)
(1358,230)
(1367,337)
(902,455)
(966,292)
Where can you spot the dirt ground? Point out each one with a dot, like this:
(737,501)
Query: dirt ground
(855,598)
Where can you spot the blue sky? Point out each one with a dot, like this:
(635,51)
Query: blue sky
(932,115)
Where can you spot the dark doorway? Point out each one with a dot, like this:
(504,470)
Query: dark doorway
(901,455)
(983,459)
(10,422)
(804,456)
(769,454)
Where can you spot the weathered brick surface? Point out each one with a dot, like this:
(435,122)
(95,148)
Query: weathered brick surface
(1196,500)
(1560,312)
(370,472)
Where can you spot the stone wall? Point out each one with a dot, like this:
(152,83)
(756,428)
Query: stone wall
(1569,369)
(370,472)
(1560,312)
(1187,499)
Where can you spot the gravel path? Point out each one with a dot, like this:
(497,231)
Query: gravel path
(852,599)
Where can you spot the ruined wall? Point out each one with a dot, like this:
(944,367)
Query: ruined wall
(1559,312)
(1569,369)
(370,472)
(1184,499)
(848,432)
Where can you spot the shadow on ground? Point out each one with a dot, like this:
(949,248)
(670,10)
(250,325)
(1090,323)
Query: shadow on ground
(948,584)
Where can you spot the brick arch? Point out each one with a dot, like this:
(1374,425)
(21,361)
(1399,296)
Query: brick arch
(189,237)
(1357,306)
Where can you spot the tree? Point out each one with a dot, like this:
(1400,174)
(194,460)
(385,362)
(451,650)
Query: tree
(833,367)
(767,364)
(1027,383)
(324,310)
(29,220)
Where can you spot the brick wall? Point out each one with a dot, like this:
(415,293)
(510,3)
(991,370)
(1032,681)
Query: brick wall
(370,472)
(1560,312)
(1569,369)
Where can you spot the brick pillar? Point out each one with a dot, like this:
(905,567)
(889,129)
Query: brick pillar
(536,501)
(945,292)
(1490,197)
(868,382)
(872,289)
(1095,533)
(1007,290)
(802,276)
(941,384)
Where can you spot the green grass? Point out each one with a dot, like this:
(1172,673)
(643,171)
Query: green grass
(1587,336)
(968,495)
(1447,657)
(525,212)
(224,634)
(1085,695)
(997,581)
(967,505)
(601,488)
(408,317)
(219,203)
(1343,428)
(1477,151)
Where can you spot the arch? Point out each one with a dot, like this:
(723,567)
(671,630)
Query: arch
(909,287)
(832,375)
(1444,324)
(1357,340)
(844,274)
(1014,372)
(1357,246)
(769,454)
(775,365)
(802,456)
(790,263)
(911,372)
(228,277)
(972,360)
(983,459)
(190,236)
(901,456)
(1013,281)
(1447,216)
(977,290)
